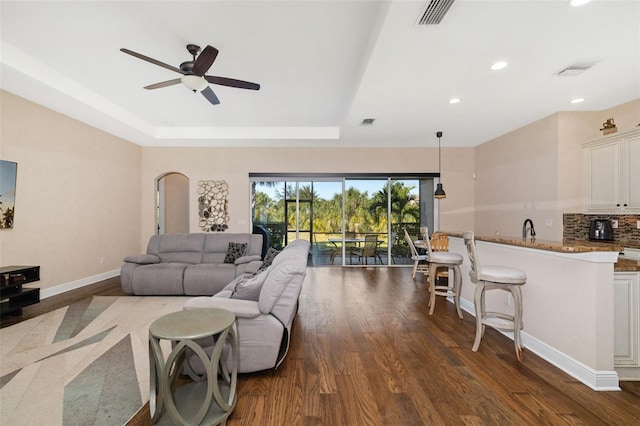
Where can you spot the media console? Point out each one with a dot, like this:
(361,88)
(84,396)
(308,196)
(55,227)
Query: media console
(12,296)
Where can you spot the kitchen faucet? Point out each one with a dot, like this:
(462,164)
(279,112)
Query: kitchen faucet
(524,229)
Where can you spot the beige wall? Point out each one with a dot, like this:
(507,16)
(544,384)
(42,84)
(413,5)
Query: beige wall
(77,194)
(234,165)
(516,178)
(538,172)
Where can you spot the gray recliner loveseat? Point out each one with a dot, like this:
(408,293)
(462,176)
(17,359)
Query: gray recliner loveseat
(195,264)
(265,305)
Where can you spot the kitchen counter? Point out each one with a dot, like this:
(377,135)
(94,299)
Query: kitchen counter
(627,265)
(565,246)
(568,299)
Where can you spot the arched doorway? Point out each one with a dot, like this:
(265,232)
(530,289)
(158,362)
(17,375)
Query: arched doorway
(172,204)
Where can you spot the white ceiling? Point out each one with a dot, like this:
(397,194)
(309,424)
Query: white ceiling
(323,66)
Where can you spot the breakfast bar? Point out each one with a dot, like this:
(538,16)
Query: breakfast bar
(568,300)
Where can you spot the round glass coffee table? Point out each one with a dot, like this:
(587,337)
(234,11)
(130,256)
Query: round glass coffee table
(211,398)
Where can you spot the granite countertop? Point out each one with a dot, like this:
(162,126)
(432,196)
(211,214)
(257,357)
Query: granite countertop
(565,246)
(627,265)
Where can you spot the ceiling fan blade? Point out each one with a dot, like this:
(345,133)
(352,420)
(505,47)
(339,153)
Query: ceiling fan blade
(153,61)
(211,97)
(205,60)
(232,82)
(163,84)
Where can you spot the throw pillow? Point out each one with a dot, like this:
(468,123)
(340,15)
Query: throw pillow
(234,251)
(268,259)
(270,255)
(249,287)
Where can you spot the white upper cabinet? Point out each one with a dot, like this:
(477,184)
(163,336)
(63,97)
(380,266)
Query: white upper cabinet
(613,173)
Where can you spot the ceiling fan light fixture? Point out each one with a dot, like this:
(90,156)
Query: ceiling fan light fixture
(194,82)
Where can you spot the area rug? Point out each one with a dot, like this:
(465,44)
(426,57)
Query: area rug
(85,364)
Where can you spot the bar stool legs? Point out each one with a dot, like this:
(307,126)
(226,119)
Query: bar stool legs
(484,317)
(442,290)
(493,277)
(442,259)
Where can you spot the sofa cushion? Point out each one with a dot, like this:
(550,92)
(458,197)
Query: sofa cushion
(159,278)
(235,251)
(207,279)
(290,262)
(216,245)
(178,248)
(247,287)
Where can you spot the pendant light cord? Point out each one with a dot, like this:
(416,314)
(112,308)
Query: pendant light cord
(439,155)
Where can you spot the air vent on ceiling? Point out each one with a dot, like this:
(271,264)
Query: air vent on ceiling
(575,69)
(434,11)
(367,122)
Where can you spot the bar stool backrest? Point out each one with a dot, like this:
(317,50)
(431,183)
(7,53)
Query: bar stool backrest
(469,241)
(439,241)
(427,242)
(407,237)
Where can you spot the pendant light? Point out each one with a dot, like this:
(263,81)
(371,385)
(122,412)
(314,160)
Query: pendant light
(439,191)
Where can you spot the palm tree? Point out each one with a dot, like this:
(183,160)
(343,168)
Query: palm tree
(356,205)
(404,205)
(7,220)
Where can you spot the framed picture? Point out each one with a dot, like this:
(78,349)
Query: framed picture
(8,174)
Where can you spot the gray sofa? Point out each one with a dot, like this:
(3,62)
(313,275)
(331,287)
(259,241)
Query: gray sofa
(265,306)
(190,264)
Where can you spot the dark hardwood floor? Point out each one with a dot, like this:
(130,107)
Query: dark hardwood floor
(365,351)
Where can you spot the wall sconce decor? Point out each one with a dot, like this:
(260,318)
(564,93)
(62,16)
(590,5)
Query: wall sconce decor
(212,205)
(608,127)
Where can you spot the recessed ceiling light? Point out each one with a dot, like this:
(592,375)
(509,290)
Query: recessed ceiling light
(454,100)
(499,65)
(577,3)
(577,100)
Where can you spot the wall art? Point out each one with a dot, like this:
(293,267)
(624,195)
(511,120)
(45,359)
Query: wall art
(8,175)
(212,205)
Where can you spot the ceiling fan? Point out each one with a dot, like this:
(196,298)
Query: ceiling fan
(193,73)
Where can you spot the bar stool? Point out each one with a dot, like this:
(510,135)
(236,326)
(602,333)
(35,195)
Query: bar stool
(443,259)
(419,260)
(492,277)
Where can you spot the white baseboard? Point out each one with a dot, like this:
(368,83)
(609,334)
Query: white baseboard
(596,380)
(73,285)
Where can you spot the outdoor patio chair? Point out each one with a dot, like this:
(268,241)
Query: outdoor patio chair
(369,249)
(324,249)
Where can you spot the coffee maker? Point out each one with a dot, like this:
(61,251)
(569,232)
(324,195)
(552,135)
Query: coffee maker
(601,230)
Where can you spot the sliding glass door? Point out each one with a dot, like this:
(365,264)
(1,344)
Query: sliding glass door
(351,220)
(298,209)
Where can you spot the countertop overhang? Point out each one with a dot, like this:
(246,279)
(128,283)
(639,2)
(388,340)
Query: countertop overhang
(565,246)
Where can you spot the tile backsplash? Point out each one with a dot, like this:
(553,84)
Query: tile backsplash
(576,227)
